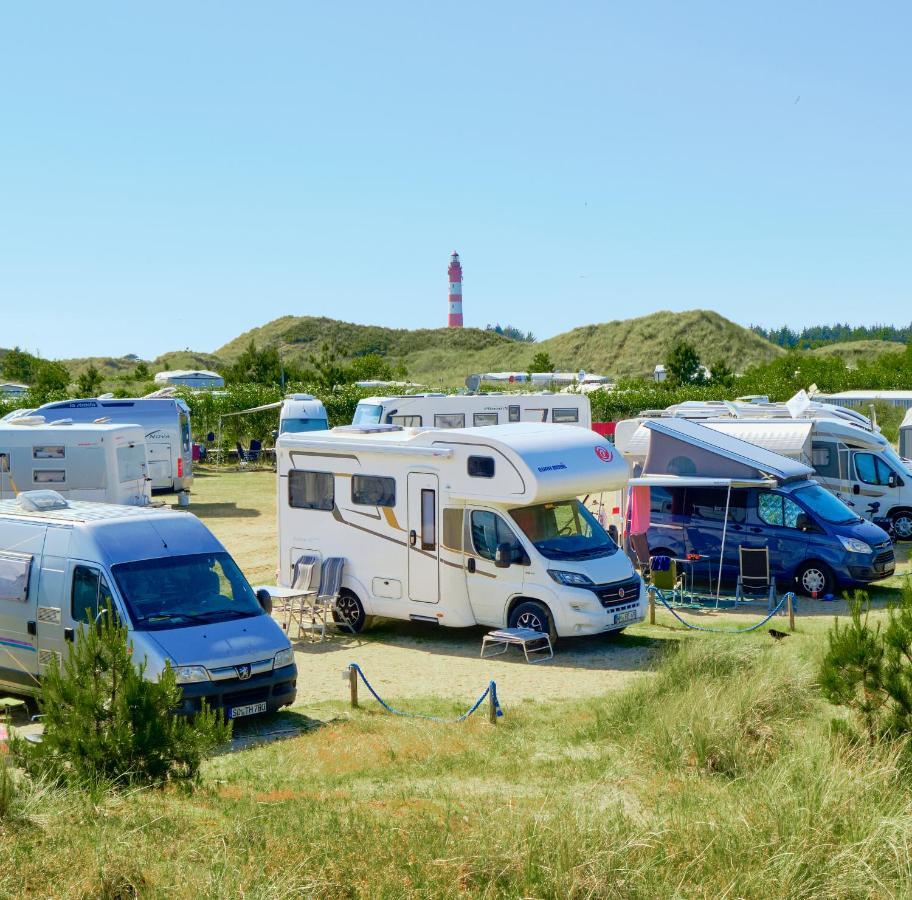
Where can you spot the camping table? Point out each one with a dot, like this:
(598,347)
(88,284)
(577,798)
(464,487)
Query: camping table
(690,563)
(286,595)
(530,640)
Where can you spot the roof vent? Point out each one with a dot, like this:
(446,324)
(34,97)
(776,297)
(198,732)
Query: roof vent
(41,501)
(31,421)
(62,422)
(101,420)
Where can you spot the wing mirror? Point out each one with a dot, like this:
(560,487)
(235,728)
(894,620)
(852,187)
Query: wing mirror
(265,599)
(503,556)
(613,534)
(803,522)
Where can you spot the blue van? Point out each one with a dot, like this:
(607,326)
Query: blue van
(816,543)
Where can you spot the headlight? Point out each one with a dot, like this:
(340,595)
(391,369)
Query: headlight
(190,674)
(853,545)
(284,658)
(573,579)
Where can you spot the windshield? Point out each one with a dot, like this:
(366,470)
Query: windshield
(295,426)
(179,591)
(367,414)
(563,530)
(823,504)
(901,466)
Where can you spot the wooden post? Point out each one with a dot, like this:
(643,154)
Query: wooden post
(652,608)
(492,708)
(791,611)
(353,686)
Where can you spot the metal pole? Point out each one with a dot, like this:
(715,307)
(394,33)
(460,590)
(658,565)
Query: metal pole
(353,686)
(722,548)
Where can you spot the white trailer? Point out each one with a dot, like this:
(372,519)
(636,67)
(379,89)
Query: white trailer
(302,412)
(165,422)
(473,410)
(82,462)
(460,526)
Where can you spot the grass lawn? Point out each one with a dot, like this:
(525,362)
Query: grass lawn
(711,769)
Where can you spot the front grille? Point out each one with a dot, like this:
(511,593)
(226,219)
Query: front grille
(885,557)
(240,698)
(620,592)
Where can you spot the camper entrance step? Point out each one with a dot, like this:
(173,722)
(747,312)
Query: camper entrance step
(535,644)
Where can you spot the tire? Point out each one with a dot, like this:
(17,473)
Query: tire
(349,613)
(534,615)
(815,575)
(902,524)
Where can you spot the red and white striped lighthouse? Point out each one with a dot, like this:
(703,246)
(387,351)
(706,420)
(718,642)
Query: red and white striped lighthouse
(455,273)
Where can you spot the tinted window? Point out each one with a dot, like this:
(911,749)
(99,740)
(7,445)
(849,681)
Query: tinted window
(49,476)
(480,419)
(872,469)
(565,415)
(481,466)
(825,458)
(489,530)
(513,413)
(406,421)
(57,452)
(89,595)
(373,490)
(311,490)
(428,519)
(449,420)
(710,504)
(660,501)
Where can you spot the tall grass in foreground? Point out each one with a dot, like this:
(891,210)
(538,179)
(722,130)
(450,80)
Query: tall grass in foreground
(720,775)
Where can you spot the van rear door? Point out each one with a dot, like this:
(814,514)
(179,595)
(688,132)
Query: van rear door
(161,470)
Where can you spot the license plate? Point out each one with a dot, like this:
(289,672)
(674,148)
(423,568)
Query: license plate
(626,616)
(251,709)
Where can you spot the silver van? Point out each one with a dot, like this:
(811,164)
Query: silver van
(180,594)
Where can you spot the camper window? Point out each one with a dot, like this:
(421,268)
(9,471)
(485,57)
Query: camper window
(449,420)
(14,576)
(89,595)
(49,476)
(481,466)
(774,509)
(489,530)
(57,452)
(513,413)
(406,421)
(710,504)
(565,415)
(825,459)
(428,519)
(480,419)
(373,490)
(4,462)
(311,490)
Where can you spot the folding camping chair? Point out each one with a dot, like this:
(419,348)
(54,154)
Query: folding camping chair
(324,603)
(298,606)
(754,576)
(664,574)
(254,451)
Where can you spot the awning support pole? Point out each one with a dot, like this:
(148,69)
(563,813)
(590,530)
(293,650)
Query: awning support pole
(722,548)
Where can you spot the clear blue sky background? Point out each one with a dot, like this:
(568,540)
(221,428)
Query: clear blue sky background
(172,174)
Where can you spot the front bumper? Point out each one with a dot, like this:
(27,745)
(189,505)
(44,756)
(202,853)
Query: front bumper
(276,689)
(581,611)
(881,565)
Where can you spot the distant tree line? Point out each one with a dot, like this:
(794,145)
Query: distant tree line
(821,335)
(511,332)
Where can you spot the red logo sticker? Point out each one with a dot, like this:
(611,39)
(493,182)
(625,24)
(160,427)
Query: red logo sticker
(604,454)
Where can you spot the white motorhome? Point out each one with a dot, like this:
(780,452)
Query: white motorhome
(104,463)
(302,412)
(905,437)
(181,596)
(166,425)
(473,410)
(856,464)
(460,526)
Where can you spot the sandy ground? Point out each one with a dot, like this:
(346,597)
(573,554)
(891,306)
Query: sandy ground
(406,660)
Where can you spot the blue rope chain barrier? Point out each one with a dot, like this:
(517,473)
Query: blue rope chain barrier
(686,624)
(491,690)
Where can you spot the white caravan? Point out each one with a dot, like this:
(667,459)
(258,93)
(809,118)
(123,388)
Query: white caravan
(858,465)
(179,593)
(104,463)
(473,410)
(460,526)
(166,425)
(302,412)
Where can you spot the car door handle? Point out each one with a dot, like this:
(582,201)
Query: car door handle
(756,531)
(32,626)
(470,564)
(413,538)
(69,634)
(735,528)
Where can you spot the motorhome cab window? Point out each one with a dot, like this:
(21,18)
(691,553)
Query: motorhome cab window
(90,594)
(563,530)
(406,421)
(428,519)
(131,462)
(373,490)
(489,530)
(513,413)
(311,490)
(872,469)
(57,452)
(49,476)
(480,419)
(481,466)
(565,415)
(774,509)
(183,591)
(449,420)
(367,414)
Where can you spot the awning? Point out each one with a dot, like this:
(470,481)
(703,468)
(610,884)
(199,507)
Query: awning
(673,481)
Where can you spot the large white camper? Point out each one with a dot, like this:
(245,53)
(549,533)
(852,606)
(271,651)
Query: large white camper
(460,527)
(473,410)
(82,462)
(302,412)
(165,422)
(855,463)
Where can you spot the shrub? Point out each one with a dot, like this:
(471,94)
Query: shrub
(103,721)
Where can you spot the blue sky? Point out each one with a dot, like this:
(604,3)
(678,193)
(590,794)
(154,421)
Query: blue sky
(174,174)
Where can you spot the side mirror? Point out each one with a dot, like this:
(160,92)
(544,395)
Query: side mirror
(613,534)
(265,599)
(803,522)
(503,556)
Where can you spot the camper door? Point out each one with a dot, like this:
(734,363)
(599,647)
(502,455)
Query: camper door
(490,588)
(423,538)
